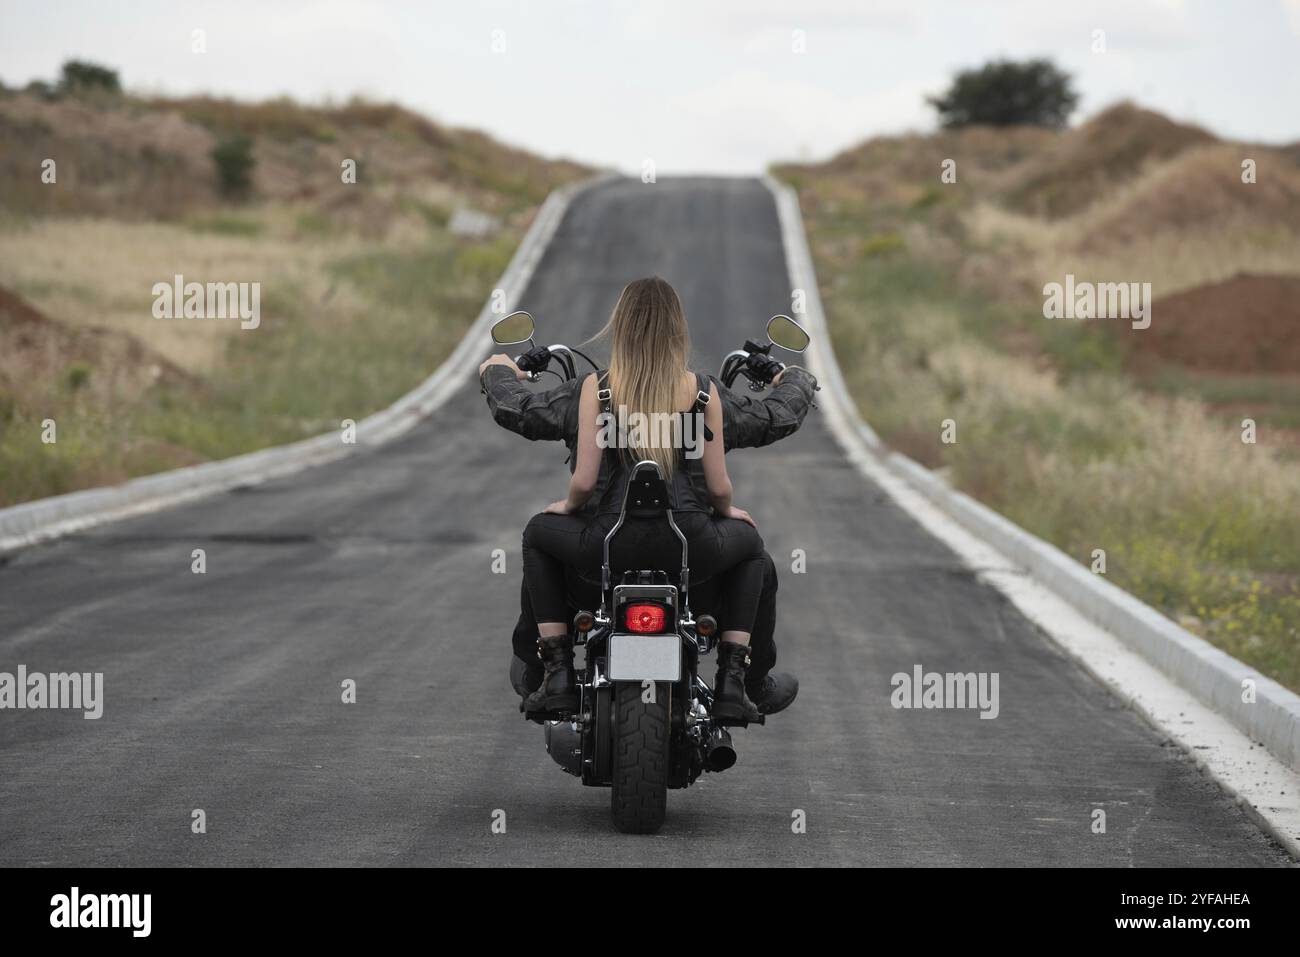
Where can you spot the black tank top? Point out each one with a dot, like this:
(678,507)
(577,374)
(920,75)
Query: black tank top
(687,487)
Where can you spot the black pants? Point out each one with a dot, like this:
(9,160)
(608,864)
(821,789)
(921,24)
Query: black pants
(705,597)
(726,550)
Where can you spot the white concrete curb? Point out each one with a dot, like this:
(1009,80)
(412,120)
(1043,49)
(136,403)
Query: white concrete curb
(31,522)
(1214,678)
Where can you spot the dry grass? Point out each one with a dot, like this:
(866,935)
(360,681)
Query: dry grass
(135,158)
(100,273)
(1032,252)
(363,289)
(1184,223)
(1093,160)
(936,292)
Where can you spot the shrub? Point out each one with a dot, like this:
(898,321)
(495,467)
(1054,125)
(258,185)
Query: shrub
(77,375)
(234,159)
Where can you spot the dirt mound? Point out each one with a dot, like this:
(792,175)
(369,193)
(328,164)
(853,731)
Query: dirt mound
(1092,160)
(911,159)
(120,162)
(1247,324)
(913,156)
(148,158)
(903,172)
(1201,190)
(39,354)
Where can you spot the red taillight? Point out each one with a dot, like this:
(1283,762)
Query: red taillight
(645,619)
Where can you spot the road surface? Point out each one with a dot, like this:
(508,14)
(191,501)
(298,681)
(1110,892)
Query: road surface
(222,690)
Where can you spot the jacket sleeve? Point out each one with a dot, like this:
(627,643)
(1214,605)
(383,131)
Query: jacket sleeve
(539,416)
(751,422)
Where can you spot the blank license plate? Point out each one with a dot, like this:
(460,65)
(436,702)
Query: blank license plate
(645,657)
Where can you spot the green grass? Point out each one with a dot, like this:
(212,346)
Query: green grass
(1272,400)
(226,224)
(305,373)
(314,224)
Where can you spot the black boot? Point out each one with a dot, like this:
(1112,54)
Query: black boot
(773,692)
(729,699)
(559,690)
(525,676)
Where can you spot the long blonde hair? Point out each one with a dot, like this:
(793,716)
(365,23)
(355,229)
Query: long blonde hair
(649,348)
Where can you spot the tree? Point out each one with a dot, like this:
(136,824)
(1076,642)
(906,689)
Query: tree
(1006,93)
(82,75)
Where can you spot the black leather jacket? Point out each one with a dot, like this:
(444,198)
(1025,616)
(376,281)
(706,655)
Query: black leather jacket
(748,422)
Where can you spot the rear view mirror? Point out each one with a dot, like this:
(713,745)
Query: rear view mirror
(514,328)
(785,332)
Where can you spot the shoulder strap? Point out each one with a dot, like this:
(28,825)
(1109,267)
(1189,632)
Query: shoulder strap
(702,393)
(702,396)
(603,392)
(604,396)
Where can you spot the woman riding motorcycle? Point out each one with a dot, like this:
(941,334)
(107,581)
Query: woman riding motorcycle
(749,421)
(648,377)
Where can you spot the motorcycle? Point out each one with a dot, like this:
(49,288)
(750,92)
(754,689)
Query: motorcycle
(644,723)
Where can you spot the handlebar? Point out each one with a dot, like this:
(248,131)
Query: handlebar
(536,361)
(754,362)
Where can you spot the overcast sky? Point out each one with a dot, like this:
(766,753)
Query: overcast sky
(695,85)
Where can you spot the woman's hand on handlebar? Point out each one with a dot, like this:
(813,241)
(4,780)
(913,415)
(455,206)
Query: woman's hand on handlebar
(502,360)
(741,514)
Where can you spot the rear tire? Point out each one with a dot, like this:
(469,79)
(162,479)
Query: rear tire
(639,788)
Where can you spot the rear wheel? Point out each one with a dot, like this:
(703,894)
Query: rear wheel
(639,793)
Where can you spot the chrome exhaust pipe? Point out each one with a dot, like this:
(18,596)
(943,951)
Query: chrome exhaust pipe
(718,751)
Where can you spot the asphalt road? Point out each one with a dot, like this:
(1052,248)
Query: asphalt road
(222,690)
